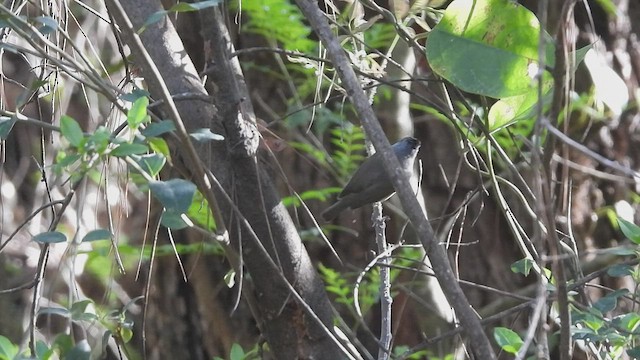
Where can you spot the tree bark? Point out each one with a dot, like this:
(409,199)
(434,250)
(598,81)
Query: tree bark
(290,329)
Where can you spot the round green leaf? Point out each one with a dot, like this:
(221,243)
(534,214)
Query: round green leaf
(175,194)
(486,47)
(236,352)
(50,237)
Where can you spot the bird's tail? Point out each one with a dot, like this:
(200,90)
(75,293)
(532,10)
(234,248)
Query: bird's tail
(333,211)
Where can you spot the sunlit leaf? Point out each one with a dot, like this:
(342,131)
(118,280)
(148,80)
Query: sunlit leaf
(71,130)
(508,340)
(630,230)
(138,113)
(486,47)
(8,350)
(159,146)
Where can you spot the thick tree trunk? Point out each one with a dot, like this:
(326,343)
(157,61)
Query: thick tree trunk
(285,323)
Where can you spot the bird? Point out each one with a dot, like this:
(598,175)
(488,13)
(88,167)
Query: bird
(370,183)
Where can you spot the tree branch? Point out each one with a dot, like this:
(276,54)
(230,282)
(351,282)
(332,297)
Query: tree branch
(441,267)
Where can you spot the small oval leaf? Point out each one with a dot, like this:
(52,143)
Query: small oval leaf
(508,340)
(129,149)
(99,234)
(71,130)
(138,113)
(50,237)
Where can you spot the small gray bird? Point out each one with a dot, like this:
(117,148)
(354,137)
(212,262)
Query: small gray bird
(370,183)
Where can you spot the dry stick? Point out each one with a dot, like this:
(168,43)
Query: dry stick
(385,282)
(561,76)
(442,269)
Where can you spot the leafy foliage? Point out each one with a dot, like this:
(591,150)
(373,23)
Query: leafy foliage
(279,20)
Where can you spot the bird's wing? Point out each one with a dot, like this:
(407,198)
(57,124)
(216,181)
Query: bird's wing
(366,176)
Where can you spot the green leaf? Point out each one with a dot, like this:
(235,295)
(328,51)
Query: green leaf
(629,322)
(159,146)
(134,95)
(204,135)
(609,302)
(520,107)
(522,266)
(158,128)
(50,237)
(620,270)
(126,334)
(43,351)
(508,340)
(79,307)
(99,234)
(634,353)
(279,20)
(99,141)
(78,352)
(175,194)
(6,124)
(175,220)
(486,47)
(236,352)
(8,350)
(138,113)
(71,130)
(630,230)
(200,212)
(128,149)
(150,163)
(195,6)
(68,159)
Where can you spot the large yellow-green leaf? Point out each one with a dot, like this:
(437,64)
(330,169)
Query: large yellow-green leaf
(486,47)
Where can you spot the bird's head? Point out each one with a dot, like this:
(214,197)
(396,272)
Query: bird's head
(407,147)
